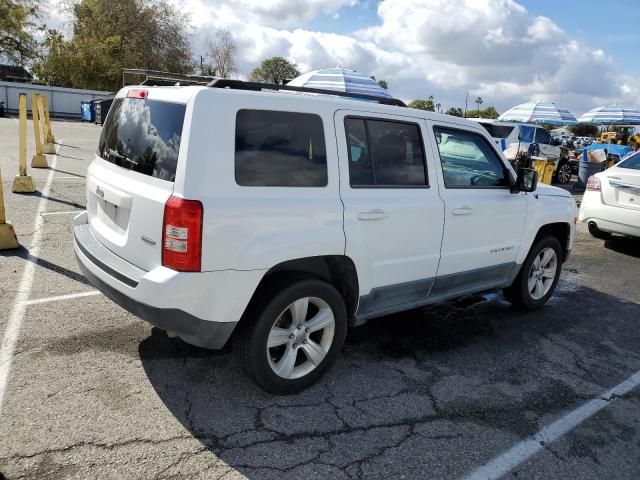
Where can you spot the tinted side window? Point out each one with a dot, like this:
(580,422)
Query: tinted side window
(280,149)
(468,161)
(542,136)
(385,153)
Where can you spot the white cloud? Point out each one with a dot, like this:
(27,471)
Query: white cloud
(492,48)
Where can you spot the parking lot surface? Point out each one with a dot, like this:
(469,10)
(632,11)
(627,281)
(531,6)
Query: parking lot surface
(94,392)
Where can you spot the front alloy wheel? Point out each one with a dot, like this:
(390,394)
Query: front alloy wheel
(538,276)
(542,273)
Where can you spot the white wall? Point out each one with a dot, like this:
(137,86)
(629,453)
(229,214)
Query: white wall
(63,102)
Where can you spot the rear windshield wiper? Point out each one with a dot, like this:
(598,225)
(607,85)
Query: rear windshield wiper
(120,156)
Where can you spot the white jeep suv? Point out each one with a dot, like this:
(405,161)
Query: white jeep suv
(279,216)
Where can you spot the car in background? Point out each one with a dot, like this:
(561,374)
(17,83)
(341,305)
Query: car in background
(523,135)
(611,203)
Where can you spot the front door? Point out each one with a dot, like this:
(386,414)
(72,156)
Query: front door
(393,215)
(484,221)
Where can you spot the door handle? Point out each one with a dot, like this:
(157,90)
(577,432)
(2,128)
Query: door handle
(375,214)
(466,210)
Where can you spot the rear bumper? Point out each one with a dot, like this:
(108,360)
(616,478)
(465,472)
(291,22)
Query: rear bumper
(609,218)
(202,308)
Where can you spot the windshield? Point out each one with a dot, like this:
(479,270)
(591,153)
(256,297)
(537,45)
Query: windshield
(143,136)
(633,162)
(498,131)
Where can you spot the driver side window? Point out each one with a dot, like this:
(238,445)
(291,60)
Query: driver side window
(468,161)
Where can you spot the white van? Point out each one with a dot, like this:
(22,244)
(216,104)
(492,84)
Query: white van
(278,217)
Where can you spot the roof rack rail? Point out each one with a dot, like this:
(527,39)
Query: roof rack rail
(258,87)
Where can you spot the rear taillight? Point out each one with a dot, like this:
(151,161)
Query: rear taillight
(182,234)
(593,184)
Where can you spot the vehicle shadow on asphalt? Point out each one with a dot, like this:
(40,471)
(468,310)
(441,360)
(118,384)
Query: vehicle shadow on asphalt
(67,173)
(58,200)
(625,245)
(474,371)
(23,253)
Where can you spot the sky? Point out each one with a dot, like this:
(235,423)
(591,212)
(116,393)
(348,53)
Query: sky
(580,54)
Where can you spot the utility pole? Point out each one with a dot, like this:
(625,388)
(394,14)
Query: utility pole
(466,101)
(201,65)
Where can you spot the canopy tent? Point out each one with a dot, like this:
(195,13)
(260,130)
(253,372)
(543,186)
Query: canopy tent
(341,80)
(539,112)
(611,115)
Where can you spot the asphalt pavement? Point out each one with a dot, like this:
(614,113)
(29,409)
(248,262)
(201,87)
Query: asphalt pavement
(436,393)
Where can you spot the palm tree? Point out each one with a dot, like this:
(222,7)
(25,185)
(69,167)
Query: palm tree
(478,102)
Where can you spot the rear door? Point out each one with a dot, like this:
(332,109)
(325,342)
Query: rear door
(132,175)
(393,216)
(622,185)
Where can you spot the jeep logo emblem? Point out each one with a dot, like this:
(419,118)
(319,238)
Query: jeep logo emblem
(100,192)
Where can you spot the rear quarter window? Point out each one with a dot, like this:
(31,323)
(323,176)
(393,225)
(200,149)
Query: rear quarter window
(143,136)
(280,149)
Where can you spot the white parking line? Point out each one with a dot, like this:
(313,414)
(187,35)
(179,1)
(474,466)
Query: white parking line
(62,297)
(66,212)
(525,449)
(8,345)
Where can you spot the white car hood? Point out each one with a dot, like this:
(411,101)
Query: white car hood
(549,191)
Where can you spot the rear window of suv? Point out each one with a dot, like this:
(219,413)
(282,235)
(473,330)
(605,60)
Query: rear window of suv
(143,136)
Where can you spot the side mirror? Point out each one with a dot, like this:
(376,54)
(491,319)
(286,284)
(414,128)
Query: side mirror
(527,181)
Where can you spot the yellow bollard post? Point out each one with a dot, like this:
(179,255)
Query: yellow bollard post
(23,183)
(46,147)
(8,239)
(50,138)
(38,160)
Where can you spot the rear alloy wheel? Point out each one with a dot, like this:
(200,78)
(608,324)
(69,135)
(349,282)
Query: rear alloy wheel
(538,275)
(564,173)
(292,334)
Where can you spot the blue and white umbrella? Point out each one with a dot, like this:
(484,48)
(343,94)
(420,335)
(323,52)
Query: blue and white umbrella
(539,112)
(340,80)
(612,115)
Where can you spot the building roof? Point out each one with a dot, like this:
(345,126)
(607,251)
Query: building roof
(13,73)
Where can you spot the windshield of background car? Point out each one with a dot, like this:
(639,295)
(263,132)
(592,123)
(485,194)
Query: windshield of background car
(498,131)
(526,134)
(143,136)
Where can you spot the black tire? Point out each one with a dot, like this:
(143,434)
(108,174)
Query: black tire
(597,233)
(250,341)
(518,292)
(563,173)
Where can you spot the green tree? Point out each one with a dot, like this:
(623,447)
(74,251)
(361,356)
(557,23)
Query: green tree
(274,70)
(584,130)
(109,35)
(421,104)
(478,101)
(455,111)
(489,112)
(17,25)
